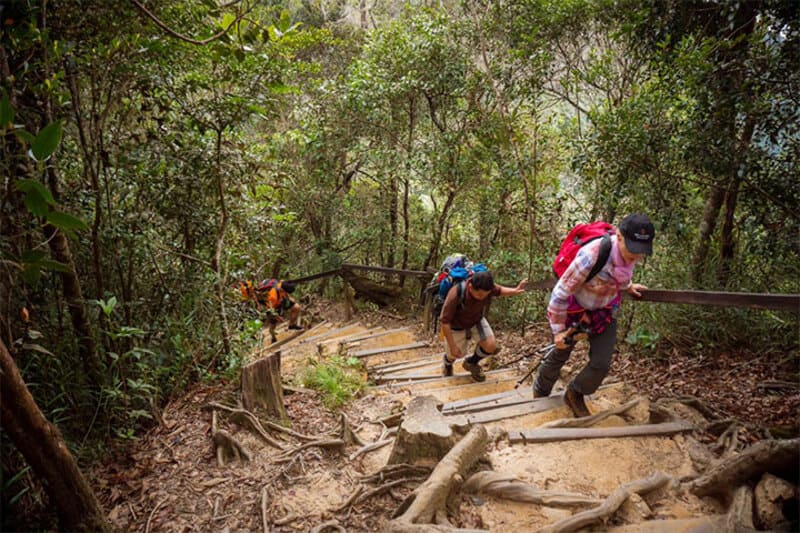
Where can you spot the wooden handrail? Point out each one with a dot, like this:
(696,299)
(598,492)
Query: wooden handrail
(751,300)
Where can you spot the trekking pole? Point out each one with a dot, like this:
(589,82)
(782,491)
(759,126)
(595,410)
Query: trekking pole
(529,354)
(569,341)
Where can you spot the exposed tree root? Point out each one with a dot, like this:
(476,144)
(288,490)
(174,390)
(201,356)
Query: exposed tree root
(370,447)
(588,421)
(330,525)
(766,456)
(609,506)
(225,446)
(428,502)
(235,411)
(228,448)
(395,471)
(740,514)
(249,421)
(510,488)
(323,443)
(348,435)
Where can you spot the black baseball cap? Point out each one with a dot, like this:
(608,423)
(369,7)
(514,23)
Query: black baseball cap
(638,232)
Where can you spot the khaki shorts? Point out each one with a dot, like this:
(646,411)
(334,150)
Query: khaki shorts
(479,332)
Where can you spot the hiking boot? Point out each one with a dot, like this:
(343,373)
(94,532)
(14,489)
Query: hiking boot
(474,369)
(574,401)
(537,394)
(294,326)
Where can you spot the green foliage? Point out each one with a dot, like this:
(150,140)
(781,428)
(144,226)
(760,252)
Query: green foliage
(339,379)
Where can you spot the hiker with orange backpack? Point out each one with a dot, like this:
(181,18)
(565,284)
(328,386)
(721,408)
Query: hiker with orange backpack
(274,297)
(594,265)
(462,314)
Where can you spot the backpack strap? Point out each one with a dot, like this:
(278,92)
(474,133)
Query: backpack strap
(462,293)
(602,258)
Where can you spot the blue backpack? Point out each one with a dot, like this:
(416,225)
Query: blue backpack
(455,270)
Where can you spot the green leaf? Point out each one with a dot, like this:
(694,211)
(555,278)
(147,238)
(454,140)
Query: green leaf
(32,256)
(35,203)
(285,22)
(47,141)
(24,135)
(65,221)
(227,20)
(55,266)
(27,186)
(6,112)
(31,275)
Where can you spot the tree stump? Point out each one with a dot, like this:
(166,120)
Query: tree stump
(261,386)
(425,435)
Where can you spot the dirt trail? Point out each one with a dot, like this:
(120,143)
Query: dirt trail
(171,481)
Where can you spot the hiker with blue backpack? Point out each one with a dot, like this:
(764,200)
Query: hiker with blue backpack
(462,316)
(594,265)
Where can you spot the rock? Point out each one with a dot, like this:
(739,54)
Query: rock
(770,495)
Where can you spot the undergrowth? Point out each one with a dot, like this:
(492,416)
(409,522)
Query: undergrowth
(339,379)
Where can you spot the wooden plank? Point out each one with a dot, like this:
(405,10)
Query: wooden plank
(752,300)
(454,380)
(417,273)
(560,434)
(510,411)
(388,378)
(319,275)
(379,334)
(501,399)
(389,349)
(408,366)
(388,367)
(329,333)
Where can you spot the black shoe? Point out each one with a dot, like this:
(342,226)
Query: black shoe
(294,326)
(474,369)
(574,401)
(537,394)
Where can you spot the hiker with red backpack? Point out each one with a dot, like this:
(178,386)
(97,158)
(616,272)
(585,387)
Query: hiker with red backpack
(462,317)
(594,265)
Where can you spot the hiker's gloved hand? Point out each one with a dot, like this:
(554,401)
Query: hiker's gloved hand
(636,289)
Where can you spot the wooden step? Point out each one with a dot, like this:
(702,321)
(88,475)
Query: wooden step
(558,434)
(388,349)
(457,379)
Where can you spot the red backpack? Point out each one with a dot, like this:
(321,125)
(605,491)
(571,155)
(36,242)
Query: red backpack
(578,237)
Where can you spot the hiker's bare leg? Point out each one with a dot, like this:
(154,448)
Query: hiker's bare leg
(272,325)
(294,313)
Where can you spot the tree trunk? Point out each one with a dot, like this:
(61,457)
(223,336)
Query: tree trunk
(707,226)
(437,235)
(60,251)
(43,447)
(727,240)
(216,262)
